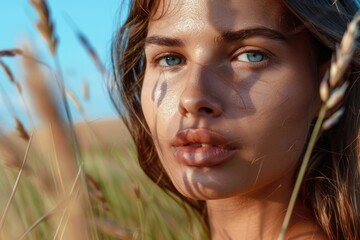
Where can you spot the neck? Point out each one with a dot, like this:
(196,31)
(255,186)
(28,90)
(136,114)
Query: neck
(244,218)
(254,216)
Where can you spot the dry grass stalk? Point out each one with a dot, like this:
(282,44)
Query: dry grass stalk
(333,119)
(18,52)
(45,26)
(71,95)
(88,47)
(91,51)
(332,96)
(137,192)
(340,60)
(96,194)
(7,71)
(21,130)
(333,87)
(344,53)
(47,109)
(10,157)
(18,87)
(336,96)
(11,77)
(44,217)
(2,221)
(13,53)
(10,52)
(85,90)
(109,227)
(324,87)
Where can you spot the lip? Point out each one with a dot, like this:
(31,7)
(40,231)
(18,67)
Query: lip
(201,147)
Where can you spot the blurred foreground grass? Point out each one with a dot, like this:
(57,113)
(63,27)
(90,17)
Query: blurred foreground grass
(124,203)
(52,186)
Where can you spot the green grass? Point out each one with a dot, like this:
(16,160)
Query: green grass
(152,214)
(122,202)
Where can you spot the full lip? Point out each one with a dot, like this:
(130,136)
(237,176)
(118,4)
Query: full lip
(201,147)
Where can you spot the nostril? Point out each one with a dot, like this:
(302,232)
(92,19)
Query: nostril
(199,106)
(206,110)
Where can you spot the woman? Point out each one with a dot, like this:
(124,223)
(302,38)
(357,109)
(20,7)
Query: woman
(220,98)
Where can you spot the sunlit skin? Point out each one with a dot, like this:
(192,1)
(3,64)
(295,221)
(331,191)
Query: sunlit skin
(229,96)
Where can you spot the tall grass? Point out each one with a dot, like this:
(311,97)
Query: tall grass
(125,204)
(52,187)
(64,191)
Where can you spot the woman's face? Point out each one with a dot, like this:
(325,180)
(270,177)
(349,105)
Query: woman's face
(228,95)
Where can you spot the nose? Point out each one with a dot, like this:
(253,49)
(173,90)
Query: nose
(201,94)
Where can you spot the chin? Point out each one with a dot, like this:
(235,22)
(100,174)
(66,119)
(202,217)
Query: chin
(205,188)
(205,194)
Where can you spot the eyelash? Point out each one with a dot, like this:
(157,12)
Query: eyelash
(157,60)
(251,52)
(262,63)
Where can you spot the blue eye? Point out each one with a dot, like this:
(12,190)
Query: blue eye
(170,60)
(251,57)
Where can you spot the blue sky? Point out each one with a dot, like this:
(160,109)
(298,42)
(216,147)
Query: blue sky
(96,19)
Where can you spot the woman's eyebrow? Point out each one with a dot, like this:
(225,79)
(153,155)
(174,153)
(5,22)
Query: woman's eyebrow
(231,36)
(228,36)
(164,41)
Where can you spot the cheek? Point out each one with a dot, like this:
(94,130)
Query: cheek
(284,111)
(147,104)
(291,94)
(159,103)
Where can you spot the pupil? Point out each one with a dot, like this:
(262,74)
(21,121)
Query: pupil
(172,60)
(255,57)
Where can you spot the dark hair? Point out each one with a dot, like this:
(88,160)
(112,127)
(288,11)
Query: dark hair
(331,187)
(332,184)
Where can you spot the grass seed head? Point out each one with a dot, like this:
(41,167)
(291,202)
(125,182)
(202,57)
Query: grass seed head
(96,194)
(11,76)
(10,52)
(110,227)
(337,95)
(45,25)
(11,159)
(137,192)
(92,53)
(324,88)
(344,52)
(65,157)
(333,119)
(21,130)
(71,95)
(7,71)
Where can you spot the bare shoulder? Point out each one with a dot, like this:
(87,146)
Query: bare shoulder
(306,230)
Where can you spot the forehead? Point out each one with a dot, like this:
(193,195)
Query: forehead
(221,15)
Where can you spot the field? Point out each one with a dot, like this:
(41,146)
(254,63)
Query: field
(60,180)
(123,203)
